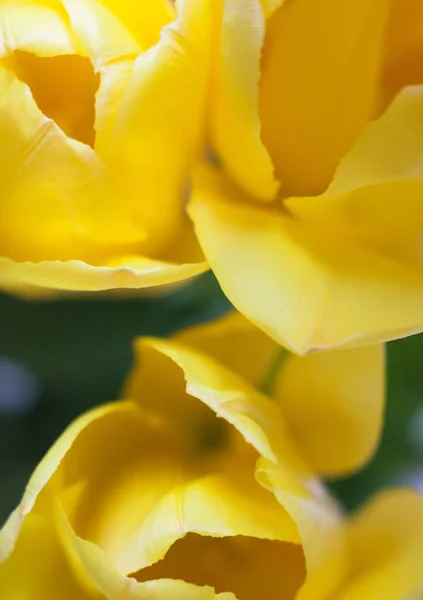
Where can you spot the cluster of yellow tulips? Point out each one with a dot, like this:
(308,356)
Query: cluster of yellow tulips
(279,143)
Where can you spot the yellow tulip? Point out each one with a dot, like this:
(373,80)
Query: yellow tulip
(102,111)
(203,481)
(313,225)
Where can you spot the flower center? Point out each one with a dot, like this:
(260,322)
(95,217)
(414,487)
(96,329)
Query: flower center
(64,88)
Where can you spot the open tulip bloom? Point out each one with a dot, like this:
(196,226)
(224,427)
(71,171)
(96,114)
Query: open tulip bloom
(101,116)
(203,482)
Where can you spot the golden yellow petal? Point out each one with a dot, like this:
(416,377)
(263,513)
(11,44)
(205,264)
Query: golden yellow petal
(159,130)
(333,402)
(55,202)
(320,81)
(386,544)
(144,20)
(132,272)
(39,568)
(99,32)
(235,123)
(334,270)
(36,27)
(237,343)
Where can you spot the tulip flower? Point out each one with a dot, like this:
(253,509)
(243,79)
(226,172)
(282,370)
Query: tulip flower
(203,481)
(102,116)
(313,222)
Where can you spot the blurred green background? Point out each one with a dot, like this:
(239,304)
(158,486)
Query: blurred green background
(59,358)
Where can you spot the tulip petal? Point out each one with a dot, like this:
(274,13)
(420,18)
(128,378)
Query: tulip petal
(101,35)
(38,567)
(158,131)
(236,343)
(41,476)
(320,81)
(334,270)
(112,29)
(386,546)
(333,402)
(235,123)
(47,277)
(146,21)
(30,26)
(55,203)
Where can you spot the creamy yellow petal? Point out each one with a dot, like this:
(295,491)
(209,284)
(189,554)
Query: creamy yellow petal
(143,20)
(100,33)
(36,27)
(38,567)
(235,123)
(29,278)
(333,402)
(237,343)
(386,545)
(159,130)
(320,81)
(309,283)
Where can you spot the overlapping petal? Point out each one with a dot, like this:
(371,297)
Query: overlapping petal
(343,268)
(79,218)
(386,539)
(235,123)
(333,401)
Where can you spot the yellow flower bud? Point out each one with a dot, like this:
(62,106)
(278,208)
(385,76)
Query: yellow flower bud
(313,226)
(102,111)
(203,481)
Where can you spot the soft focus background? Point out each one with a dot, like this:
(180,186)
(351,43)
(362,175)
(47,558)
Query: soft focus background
(59,358)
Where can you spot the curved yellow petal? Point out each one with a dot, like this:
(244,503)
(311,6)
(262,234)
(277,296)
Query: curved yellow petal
(386,539)
(145,20)
(100,33)
(237,343)
(333,402)
(160,127)
(333,270)
(55,203)
(38,567)
(133,272)
(320,83)
(41,476)
(235,123)
(31,26)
